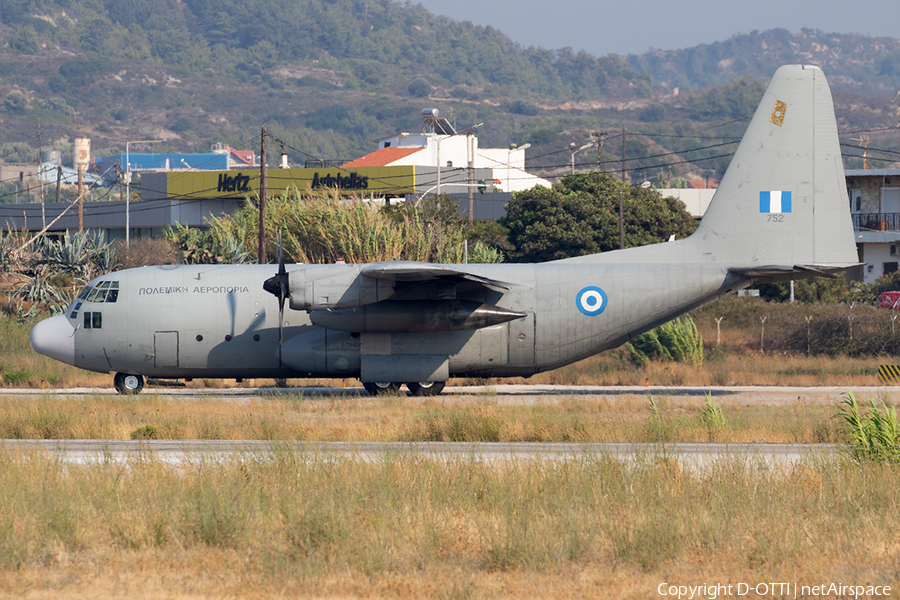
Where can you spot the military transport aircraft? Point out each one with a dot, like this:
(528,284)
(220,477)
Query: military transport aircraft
(780,213)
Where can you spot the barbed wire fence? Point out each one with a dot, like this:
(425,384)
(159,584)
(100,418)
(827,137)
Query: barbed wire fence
(846,330)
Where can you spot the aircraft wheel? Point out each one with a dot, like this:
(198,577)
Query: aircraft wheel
(425,388)
(128,384)
(376,388)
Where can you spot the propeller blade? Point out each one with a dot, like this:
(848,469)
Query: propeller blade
(280,254)
(279,286)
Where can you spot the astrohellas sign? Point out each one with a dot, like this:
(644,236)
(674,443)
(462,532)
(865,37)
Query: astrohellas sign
(363,181)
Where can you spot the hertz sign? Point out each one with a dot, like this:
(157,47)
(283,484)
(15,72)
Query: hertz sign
(239,184)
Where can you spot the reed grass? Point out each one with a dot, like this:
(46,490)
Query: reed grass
(303,524)
(322,226)
(874,436)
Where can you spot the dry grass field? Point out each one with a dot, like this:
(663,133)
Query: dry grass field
(480,417)
(299,525)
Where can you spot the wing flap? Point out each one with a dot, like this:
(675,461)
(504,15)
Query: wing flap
(419,272)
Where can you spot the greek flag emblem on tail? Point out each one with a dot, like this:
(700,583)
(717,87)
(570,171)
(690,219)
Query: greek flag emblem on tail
(774,202)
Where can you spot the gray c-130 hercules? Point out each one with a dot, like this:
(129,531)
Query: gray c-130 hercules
(780,213)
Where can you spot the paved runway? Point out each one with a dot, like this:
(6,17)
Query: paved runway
(514,394)
(186,451)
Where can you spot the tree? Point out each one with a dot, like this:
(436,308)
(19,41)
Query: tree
(419,88)
(580,215)
(16,103)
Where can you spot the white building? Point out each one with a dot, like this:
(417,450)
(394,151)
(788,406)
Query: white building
(874,196)
(440,145)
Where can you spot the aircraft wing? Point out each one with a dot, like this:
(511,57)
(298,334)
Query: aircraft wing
(409,271)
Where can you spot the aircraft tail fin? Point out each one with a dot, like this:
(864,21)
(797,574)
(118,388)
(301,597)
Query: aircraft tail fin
(783,200)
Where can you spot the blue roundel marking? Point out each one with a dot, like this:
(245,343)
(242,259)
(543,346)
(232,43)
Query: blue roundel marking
(591,301)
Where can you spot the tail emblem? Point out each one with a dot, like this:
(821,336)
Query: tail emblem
(777,117)
(774,202)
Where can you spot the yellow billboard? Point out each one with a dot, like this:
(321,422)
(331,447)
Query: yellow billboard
(362,181)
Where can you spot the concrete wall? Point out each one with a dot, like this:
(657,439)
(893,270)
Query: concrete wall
(145,217)
(696,201)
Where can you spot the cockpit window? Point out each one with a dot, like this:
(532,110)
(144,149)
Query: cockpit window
(104,291)
(93,320)
(74,314)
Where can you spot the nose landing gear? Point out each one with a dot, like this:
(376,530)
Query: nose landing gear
(128,384)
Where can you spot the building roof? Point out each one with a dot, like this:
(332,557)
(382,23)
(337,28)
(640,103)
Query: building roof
(381,158)
(703,184)
(872,172)
(877,237)
(245,156)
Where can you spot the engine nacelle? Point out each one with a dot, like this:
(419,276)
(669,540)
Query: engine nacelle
(319,287)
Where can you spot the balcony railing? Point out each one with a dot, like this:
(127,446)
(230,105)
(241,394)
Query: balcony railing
(876,221)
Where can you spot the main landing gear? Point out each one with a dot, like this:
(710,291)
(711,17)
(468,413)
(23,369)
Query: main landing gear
(128,384)
(416,388)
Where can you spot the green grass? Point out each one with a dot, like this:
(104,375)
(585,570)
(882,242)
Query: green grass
(874,436)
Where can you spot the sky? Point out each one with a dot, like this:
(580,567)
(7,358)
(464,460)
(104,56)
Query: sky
(600,27)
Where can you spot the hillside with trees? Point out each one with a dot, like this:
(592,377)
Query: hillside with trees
(327,78)
(853,62)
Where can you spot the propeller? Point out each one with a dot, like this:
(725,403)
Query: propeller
(278,286)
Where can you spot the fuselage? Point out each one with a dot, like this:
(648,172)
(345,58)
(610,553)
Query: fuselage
(217,321)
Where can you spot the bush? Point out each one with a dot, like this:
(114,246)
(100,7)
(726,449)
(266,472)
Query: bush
(676,340)
(873,437)
(147,432)
(419,88)
(207,246)
(16,377)
(145,252)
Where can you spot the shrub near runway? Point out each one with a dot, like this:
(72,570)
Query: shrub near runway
(410,526)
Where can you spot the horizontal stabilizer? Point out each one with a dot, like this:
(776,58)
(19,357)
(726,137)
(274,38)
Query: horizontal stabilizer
(771,273)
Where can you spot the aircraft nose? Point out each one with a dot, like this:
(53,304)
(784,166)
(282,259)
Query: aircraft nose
(55,337)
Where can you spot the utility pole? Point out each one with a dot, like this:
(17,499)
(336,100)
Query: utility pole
(58,184)
(263,185)
(470,151)
(622,198)
(601,137)
(128,186)
(41,174)
(80,201)
(621,219)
